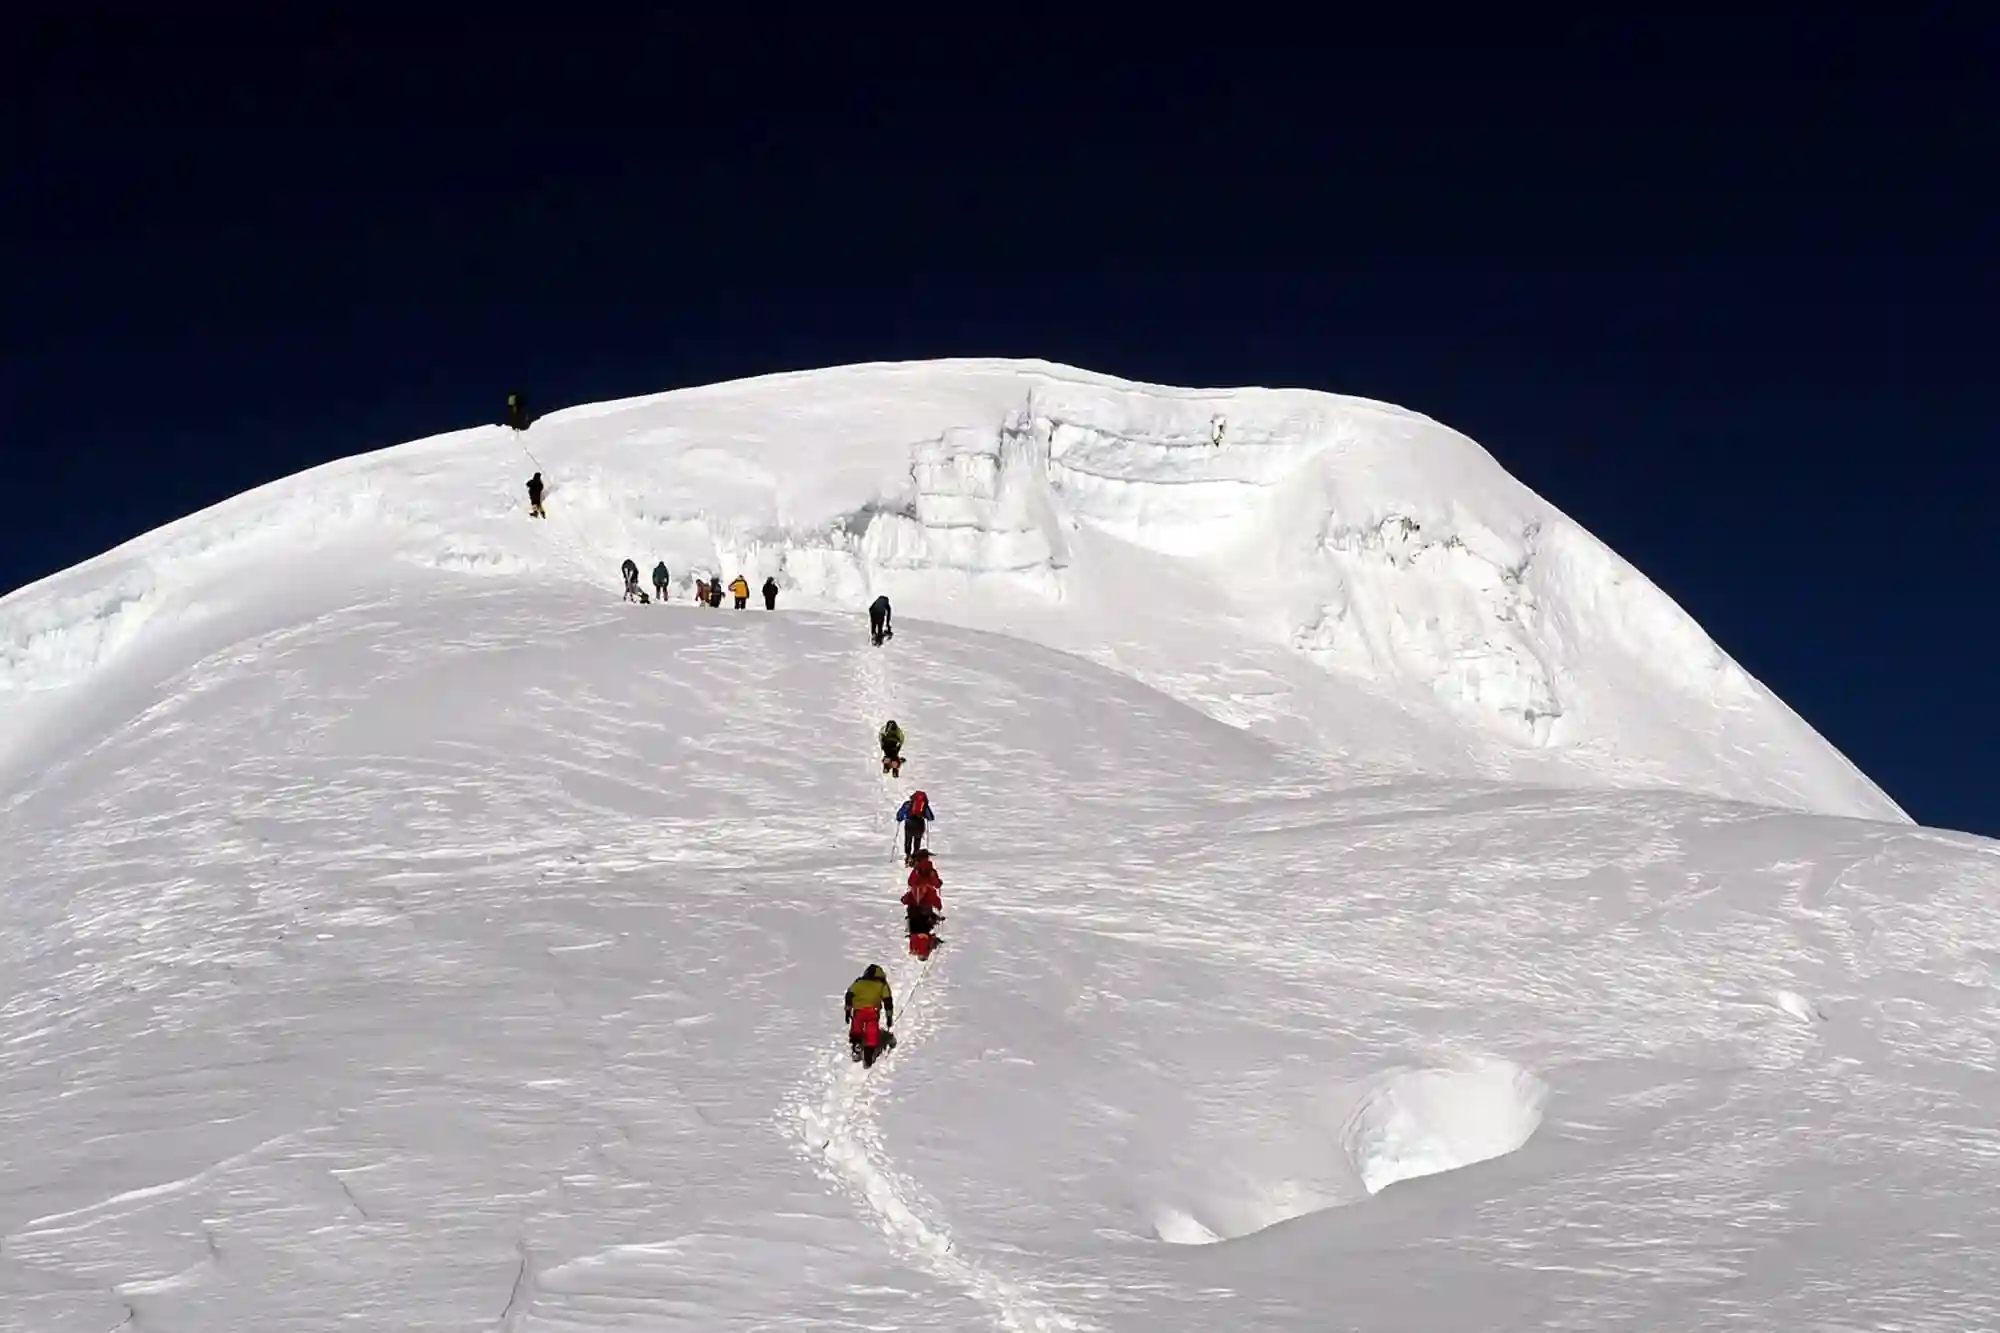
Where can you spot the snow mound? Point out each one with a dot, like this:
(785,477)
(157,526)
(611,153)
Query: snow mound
(1402,1125)
(1345,576)
(464,951)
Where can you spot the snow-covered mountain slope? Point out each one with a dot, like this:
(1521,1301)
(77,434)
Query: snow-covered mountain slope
(399,932)
(470,959)
(1334,573)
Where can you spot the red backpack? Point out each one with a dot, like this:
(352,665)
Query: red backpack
(917,803)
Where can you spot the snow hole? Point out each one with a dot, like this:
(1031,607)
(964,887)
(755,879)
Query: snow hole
(1405,1124)
(1423,1121)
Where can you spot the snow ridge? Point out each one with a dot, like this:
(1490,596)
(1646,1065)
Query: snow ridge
(1347,551)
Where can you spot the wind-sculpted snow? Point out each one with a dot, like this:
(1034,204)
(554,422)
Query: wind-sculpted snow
(471,959)
(1404,1124)
(1369,903)
(1424,1121)
(1405,605)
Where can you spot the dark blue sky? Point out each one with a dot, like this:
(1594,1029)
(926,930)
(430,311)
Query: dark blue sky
(1743,331)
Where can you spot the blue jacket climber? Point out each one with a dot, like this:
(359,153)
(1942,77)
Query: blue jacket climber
(913,815)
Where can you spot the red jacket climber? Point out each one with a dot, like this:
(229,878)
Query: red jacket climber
(923,907)
(924,884)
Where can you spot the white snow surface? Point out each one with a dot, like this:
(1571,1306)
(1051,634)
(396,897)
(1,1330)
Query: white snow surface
(1371,905)
(1337,574)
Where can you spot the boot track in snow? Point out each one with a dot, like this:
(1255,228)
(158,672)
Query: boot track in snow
(835,1111)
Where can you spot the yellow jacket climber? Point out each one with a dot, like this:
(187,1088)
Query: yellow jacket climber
(871,1012)
(870,991)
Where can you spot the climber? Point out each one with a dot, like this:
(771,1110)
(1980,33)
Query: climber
(631,573)
(870,1011)
(913,815)
(700,592)
(660,580)
(517,413)
(535,497)
(923,907)
(925,882)
(892,748)
(878,621)
(922,923)
(770,594)
(715,591)
(740,590)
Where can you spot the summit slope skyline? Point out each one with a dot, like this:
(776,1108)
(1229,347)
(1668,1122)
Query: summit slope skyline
(1734,326)
(400,927)
(1355,579)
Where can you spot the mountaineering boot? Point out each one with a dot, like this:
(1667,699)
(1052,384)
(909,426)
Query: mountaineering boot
(884,1044)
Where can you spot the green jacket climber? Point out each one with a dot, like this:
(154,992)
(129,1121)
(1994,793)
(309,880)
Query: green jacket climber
(892,739)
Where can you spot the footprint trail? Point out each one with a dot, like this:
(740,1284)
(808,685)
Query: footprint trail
(836,1120)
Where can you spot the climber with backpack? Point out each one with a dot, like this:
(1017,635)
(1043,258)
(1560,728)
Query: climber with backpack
(870,1011)
(923,906)
(535,497)
(660,580)
(892,748)
(770,594)
(878,621)
(631,573)
(914,814)
(740,590)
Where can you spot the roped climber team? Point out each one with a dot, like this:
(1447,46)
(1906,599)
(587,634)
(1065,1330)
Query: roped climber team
(869,1007)
(707,591)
